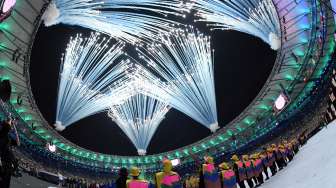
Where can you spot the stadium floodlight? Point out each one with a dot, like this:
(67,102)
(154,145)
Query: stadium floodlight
(6,7)
(51,147)
(183,63)
(90,68)
(119,19)
(255,17)
(176,162)
(139,115)
(280,102)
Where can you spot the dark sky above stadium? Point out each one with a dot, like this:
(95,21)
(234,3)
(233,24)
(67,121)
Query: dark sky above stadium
(242,65)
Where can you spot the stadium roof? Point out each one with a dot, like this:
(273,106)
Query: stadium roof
(307,42)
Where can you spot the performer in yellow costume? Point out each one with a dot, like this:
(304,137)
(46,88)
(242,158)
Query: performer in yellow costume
(135,182)
(228,176)
(210,174)
(168,178)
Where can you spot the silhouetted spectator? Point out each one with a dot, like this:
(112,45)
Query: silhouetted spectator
(121,181)
(8,161)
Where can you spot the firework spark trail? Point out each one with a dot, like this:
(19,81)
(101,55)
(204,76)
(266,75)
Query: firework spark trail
(183,61)
(164,7)
(139,116)
(90,67)
(107,17)
(255,17)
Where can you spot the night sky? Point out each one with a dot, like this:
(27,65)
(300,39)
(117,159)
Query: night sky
(242,65)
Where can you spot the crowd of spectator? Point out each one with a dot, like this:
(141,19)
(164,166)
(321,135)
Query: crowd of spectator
(257,165)
(284,150)
(250,168)
(191,181)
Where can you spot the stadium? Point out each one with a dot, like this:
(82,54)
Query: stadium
(91,87)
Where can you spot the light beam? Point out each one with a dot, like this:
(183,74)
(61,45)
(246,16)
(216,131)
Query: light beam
(182,63)
(119,19)
(256,17)
(90,67)
(139,116)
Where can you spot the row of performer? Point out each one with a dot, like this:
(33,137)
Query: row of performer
(245,170)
